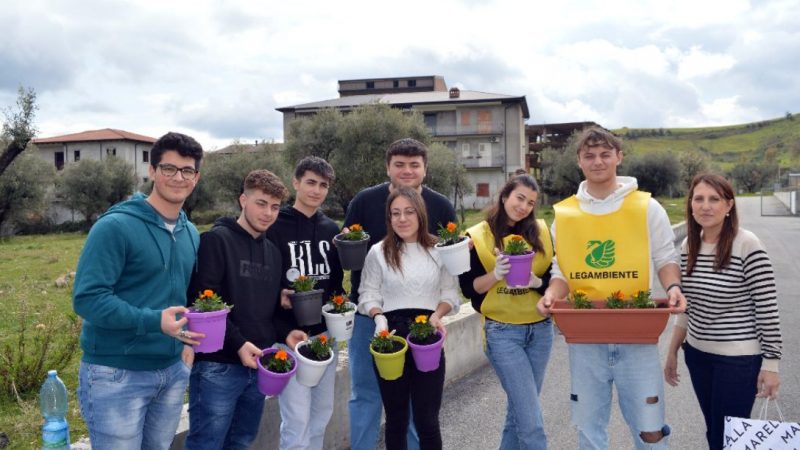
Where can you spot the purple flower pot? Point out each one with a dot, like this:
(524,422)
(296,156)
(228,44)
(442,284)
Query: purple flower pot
(426,357)
(212,324)
(520,273)
(273,383)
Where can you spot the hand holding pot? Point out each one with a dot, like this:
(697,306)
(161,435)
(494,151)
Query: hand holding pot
(381,323)
(294,337)
(249,354)
(286,303)
(437,323)
(533,283)
(501,265)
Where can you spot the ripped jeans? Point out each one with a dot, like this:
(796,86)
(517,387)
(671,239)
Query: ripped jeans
(635,369)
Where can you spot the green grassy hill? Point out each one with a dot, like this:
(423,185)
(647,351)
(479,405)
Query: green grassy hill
(726,146)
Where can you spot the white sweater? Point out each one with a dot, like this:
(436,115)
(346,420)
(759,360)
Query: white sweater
(423,284)
(662,238)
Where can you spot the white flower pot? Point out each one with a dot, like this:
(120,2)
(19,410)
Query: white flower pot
(310,372)
(455,257)
(340,326)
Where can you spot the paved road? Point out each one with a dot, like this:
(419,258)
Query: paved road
(474,407)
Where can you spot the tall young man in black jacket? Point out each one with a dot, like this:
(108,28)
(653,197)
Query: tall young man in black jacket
(236,261)
(304,236)
(406,162)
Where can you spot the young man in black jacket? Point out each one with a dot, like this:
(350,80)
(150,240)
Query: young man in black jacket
(304,236)
(236,261)
(406,162)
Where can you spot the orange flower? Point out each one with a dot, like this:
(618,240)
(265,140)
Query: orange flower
(338,300)
(384,333)
(355,227)
(208,293)
(516,237)
(301,278)
(323,339)
(618,295)
(451,227)
(281,354)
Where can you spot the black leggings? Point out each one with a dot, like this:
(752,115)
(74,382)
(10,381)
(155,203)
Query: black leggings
(423,390)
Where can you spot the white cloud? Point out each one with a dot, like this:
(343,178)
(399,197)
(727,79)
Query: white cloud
(217,70)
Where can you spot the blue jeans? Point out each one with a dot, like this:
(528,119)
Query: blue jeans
(365,398)
(519,355)
(306,411)
(225,406)
(724,386)
(636,371)
(131,409)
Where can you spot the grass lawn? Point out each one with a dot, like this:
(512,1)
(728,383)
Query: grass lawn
(29,266)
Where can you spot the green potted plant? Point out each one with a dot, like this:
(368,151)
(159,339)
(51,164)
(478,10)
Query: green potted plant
(313,358)
(208,315)
(453,248)
(306,301)
(275,368)
(339,316)
(352,247)
(426,344)
(389,353)
(613,320)
(520,255)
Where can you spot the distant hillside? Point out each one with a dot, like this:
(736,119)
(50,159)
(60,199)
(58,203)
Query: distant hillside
(726,146)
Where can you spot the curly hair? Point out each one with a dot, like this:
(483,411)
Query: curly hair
(267,182)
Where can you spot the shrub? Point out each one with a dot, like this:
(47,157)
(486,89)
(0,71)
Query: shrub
(48,341)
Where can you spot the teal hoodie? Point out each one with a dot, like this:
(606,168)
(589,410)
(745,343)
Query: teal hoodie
(131,268)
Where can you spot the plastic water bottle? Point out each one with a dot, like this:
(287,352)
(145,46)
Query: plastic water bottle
(53,404)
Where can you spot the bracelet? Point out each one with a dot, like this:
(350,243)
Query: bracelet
(677,285)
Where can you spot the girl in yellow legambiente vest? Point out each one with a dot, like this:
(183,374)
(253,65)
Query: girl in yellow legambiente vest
(518,338)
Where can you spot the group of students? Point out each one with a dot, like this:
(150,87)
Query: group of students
(138,270)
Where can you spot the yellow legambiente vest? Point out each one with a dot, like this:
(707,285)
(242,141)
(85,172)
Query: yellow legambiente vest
(601,254)
(505,305)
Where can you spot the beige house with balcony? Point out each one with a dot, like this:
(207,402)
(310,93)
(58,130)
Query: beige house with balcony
(485,131)
(98,145)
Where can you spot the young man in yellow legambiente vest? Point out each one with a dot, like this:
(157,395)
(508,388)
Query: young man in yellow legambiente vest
(614,238)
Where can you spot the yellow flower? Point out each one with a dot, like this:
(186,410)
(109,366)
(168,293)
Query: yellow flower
(581,292)
(421,319)
(208,293)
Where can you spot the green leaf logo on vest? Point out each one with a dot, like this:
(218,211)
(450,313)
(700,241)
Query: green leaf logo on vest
(601,255)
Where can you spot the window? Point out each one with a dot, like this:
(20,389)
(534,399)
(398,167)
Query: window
(412,83)
(430,122)
(482,190)
(76,155)
(466,150)
(145,157)
(370,85)
(484,121)
(111,151)
(395,83)
(59,160)
(145,179)
(465,118)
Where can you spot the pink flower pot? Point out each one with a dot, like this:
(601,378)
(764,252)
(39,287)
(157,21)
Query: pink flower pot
(520,273)
(426,357)
(273,383)
(212,324)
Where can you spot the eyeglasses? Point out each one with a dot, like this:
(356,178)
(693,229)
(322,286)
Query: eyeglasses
(169,171)
(397,214)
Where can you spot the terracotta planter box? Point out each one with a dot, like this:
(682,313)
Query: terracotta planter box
(611,326)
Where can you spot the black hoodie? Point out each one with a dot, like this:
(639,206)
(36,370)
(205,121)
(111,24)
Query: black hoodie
(245,272)
(306,246)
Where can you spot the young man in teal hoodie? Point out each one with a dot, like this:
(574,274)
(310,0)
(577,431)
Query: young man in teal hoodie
(130,286)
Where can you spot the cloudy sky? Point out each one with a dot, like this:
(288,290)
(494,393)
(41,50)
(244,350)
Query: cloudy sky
(218,69)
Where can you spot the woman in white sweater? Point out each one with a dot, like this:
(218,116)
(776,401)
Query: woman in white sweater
(730,333)
(403,278)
